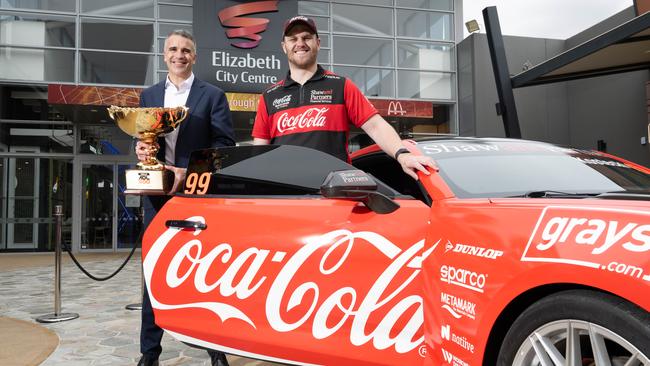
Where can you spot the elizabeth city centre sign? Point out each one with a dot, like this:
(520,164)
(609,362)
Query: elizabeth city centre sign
(238,42)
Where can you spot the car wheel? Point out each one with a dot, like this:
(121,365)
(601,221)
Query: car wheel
(578,328)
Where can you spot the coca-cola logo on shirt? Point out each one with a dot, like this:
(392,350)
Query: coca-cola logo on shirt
(385,301)
(311,118)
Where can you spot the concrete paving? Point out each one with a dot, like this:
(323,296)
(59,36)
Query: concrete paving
(105,332)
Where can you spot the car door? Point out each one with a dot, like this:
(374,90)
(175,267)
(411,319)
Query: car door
(297,279)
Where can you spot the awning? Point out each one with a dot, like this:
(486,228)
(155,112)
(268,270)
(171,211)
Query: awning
(622,49)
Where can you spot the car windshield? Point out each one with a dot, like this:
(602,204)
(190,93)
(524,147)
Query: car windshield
(480,168)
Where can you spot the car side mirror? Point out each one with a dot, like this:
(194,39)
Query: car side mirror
(357,186)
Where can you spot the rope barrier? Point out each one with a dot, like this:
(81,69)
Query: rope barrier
(99,279)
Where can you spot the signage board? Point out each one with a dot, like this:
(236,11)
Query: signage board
(238,43)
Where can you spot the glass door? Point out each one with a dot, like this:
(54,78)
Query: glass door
(129,219)
(110,220)
(97,206)
(23,200)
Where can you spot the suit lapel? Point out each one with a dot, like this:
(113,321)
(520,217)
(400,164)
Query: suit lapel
(159,95)
(159,101)
(196,91)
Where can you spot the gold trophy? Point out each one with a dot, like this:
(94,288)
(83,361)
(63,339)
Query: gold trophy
(146,124)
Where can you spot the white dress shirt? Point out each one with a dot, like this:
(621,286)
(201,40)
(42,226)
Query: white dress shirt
(175,97)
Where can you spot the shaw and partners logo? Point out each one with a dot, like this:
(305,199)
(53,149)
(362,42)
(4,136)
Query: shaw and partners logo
(229,283)
(613,240)
(247,28)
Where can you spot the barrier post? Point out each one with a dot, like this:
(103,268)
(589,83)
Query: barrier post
(57,316)
(138,306)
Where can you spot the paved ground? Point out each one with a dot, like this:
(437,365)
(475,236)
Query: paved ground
(105,332)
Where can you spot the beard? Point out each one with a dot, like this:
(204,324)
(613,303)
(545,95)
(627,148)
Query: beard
(303,62)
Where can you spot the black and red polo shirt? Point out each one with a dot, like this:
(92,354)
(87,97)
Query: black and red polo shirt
(316,114)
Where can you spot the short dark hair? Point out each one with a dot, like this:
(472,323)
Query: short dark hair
(183,33)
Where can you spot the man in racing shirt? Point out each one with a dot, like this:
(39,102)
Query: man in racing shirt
(313,107)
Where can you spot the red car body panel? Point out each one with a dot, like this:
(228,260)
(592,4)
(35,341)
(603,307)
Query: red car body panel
(310,280)
(282,284)
(486,269)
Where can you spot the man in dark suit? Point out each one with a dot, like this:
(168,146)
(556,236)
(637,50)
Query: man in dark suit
(208,125)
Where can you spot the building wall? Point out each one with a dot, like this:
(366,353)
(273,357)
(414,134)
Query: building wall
(613,109)
(576,113)
(542,110)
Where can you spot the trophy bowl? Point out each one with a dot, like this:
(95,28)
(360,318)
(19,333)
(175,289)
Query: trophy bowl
(146,125)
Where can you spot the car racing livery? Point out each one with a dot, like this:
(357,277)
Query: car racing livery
(515,252)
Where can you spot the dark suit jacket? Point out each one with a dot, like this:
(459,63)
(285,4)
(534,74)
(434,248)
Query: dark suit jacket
(208,125)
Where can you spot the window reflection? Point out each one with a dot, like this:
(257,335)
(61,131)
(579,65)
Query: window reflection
(116,35)
(322,24)
(313,8)
(362,19)
(426,85)
(43,137)
(165,28)
(368,2)
(175,12)
(324,40)
(116,68)
(412,23)
(323,56)
(425,56)
(127,8)
(37,31)
(58,5)
(427,4)
(36,64)
(371,82)
(104,139)
(363,51)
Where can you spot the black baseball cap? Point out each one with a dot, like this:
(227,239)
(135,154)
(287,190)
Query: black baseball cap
(300,19)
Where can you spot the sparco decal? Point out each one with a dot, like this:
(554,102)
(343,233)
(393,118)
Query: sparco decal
(473,250)
(463,278)
(457,306)
(369,317)
(592,237)
(310,118)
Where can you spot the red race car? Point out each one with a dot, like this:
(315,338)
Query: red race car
(514,253)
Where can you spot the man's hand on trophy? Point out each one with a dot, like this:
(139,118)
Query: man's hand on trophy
(179,177)
(145,151)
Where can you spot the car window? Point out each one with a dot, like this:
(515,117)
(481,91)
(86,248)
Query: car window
(387,171)
(505,169)
(259,170)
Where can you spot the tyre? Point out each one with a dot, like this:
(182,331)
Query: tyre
(578,328)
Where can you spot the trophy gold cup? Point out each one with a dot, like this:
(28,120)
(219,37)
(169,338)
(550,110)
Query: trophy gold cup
(146,124)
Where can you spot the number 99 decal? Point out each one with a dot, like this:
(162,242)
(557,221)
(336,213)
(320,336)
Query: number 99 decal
(197,184)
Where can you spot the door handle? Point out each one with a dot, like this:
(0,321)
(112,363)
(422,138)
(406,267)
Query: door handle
(186,224)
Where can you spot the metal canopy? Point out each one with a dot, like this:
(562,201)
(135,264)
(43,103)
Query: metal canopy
(622,49)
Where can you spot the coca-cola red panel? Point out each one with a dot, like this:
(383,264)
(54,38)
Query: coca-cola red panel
(511,251)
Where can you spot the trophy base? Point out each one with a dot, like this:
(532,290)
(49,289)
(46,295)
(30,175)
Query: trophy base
(148,182)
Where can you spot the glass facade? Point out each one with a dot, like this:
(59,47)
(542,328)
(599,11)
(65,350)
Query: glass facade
(74,155)
(408,45)
(94,42)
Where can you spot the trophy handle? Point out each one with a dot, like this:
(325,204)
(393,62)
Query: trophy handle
(113,111)
(175,120)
